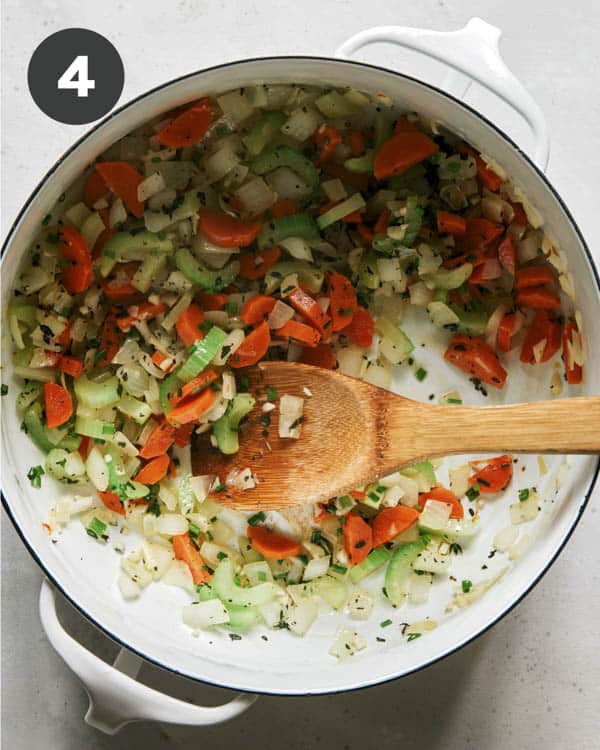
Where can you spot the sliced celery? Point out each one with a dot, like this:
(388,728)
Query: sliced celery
(209,280)
(201,353)
(375,559)
(97,395)
(309,276)
(262,133)
(285,156)
(225,429)
(398,570)
(293,225)
(354,203)
(124,246)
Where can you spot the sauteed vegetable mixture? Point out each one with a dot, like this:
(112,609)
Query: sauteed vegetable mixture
(275,222)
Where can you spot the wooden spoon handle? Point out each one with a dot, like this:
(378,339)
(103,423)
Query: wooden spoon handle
(569,425)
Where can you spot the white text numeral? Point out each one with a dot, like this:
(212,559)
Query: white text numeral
(76,77)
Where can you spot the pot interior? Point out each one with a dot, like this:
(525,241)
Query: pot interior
(152,625)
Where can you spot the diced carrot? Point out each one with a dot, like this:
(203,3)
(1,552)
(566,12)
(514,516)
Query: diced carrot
(227,231)
(356,141)
(208,301)
(194,386)
(365,233)
(442,495)
(188,127)
(475,357)
(154,470)
(94,189)
(544,327)
(538,298)
(70,365)
(77,274)
(112,502)
(184,550)
(189,324)
(160,360)
(343,302)
(137,313)
(64,338)
(101,240)
(190,409)
(117,286)
(253,347)
(255,265)
(283,208)
(358,494)
(85,446)
(509,326)
(299,333)
(327,139)
(272,545)
(507,253)
(123,180)
(110,340)
(59,405)
(382,222)
(479,234)
(159,441)
(573,371)
(319,356)
(310,309)
(390,522)
(401,151)
(358,538)
(183,434)
(405,126)
(495,474)
(487,176)
(361,328)
(534,276)
(520,217)
(448,223)
(257,309)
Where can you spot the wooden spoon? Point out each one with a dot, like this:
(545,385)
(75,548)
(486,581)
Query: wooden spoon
(353,433)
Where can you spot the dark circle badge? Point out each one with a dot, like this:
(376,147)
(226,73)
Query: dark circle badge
(75,76)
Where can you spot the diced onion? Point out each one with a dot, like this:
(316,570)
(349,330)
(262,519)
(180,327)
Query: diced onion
(334,189)
(360,604)
(435,515)
(301,616)
(491,329)
(290,416)
(202,615)
(301,124)
(230,345)
(297,248)
(179,574)
(441,315)
(117,213)
(171,524)
(419,587)
(316,568)
(525,510)
(279,315)
(256,196)
(152,185)
(505,538)
(235,106)
(346,643)
(287,184)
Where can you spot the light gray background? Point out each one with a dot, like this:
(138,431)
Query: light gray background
(530,682)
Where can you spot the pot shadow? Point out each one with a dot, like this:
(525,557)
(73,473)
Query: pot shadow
(417,710)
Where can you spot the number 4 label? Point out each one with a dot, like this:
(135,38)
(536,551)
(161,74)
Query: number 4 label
(76,77)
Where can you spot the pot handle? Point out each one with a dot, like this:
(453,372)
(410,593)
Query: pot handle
(473,55)
(116,698)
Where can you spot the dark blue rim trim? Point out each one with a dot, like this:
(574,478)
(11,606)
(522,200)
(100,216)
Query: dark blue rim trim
(504,136)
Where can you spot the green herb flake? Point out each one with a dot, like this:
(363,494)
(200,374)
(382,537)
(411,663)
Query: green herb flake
(96,529)
(271,393)
(466,586)
(257,518)
(235,637)
(222,555)
(194,530)
(3,389)
(413,636)
(35,475)
(315,537)
(46,220)
(421,374)
(524,494)
(341,569)
(385,624)
(473,492)
(231,308)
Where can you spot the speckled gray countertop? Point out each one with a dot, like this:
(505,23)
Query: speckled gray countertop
(532,681)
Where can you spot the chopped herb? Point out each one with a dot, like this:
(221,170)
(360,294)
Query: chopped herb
(466,586)
(265,420)
(257,518)
(455,548)
(96,529)
(46,220)
(35,475)
(194,530)
(473,492)
(222,555)
(454,401)
(341,569)
(385,623)
(421,374)
(206,325)
(155,159)
(315,537)
(413,636)
(244,383)
(99,355)
(524,494)
(235,637)
(271,393)
(3,389)
(231,308)
(303,559)
(221,487)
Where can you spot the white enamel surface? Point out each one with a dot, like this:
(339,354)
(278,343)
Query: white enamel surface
(285,664)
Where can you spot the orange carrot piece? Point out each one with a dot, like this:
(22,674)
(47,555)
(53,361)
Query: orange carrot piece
(534,276)
(257,309)
(442,495)
(188,127)
(401,151)
(356,141)
(283,208)
(361,328)
(112,502)
(194,386)
(190,409)
(123,181)
(538,298)
(208,301)
(118,287)
(358,538)
(300,333)
(255,265)
(327,140)
(494,476)
(573,371)
(382,222)
(189,323)
(94,189)
(144,311)
(310,309)
(343,302)
(227,231)
(253,348)
(70,365)
(159,441)
(319,356)
(449,223)
(77,274)
(154,470)
(272,545)
(183,434)
(59,405)
(184,550)
(390,522)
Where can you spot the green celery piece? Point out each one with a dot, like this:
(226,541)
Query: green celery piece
(200,354)
(285,156)
(399,568)
(335,105)
(292,225)
(209,280)
(361,164)
(167,389)
(368,274)
(117,477)
(225,429)
(205,592)
(148,270)
(413,219)
(382,128)
(241,618)
(425,468)
(373,561)
(97,395)
(35,428)
(473,322)
(124,246)
(264,130)
(445,278)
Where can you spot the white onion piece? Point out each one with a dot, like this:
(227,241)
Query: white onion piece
(301,616)
(316,568)
(162,200)
(505,538)
(297,248)
(419,587)
(171,524)
(346,643)
(287,184)
(117,213)
(231,344)
(179,574)
(491,329)
(301,124)
(96,469)
(153,184)
(202,615)
(256,196)
(435,515)
(290,416)
(279,315)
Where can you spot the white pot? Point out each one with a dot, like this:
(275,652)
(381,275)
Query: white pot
(151,626)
